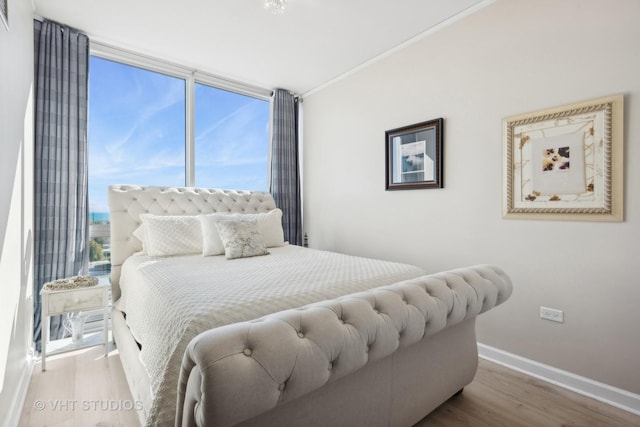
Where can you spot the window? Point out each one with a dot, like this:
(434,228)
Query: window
(231,140)
(139,133)
(136,135)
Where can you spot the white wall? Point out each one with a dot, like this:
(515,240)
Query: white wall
(16,207)
(511,57)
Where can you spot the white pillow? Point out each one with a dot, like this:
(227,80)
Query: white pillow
(241,238)
(139,234)
(211,243)
(269,224)
(166,235)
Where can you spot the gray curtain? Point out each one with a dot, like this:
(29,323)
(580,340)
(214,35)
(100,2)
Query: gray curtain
(60,206)
(285,168)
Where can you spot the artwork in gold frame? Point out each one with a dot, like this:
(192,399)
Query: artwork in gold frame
(565,163)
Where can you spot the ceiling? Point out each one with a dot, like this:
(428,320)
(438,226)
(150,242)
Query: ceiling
(310,44)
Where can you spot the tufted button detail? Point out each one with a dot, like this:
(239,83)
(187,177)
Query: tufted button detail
(434,304)
(340,351)
(300,334)
(376,311)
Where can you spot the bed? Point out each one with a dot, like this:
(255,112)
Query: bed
(293,336)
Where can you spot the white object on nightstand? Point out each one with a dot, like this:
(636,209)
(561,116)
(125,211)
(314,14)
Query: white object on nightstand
(69,301)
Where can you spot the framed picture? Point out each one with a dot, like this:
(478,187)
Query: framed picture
(565,163)
(414,156)
(4,13)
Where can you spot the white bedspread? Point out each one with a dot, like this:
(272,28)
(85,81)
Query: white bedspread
(168,301)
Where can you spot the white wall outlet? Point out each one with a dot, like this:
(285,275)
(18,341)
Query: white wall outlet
(552,314)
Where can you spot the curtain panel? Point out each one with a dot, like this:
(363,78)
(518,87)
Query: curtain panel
(61,57)
(285,167)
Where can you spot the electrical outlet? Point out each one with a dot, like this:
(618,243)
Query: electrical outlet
(552,314)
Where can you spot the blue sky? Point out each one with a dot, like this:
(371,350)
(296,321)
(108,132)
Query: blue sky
(137,133)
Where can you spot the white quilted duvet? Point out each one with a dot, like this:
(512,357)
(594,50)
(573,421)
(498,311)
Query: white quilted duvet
(168,301)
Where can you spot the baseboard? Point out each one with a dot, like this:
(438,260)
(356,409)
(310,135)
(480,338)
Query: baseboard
(15,410)
(604,393)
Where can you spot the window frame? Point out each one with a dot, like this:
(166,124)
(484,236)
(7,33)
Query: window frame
(191,76)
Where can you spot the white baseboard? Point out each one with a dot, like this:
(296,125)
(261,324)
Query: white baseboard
(15,410)
(605,393)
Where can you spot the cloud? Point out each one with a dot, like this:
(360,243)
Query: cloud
(239,138)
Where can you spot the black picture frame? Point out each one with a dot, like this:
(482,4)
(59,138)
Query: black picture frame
(413,156)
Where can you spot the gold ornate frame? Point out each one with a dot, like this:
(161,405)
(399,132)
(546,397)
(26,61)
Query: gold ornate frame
(587,186)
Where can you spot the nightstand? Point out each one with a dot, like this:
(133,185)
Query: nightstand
(69,301)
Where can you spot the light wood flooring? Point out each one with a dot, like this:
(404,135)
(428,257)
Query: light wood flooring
(78,389)
(84,388)
(499,396)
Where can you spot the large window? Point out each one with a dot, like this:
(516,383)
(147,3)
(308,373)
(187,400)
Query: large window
(231,140)
(152,127)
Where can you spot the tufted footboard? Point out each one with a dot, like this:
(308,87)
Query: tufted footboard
(241,372)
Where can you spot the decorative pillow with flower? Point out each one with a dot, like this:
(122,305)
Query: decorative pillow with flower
(241,238)
(269,225)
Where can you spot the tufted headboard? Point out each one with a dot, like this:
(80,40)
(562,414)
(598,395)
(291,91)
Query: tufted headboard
(127,202)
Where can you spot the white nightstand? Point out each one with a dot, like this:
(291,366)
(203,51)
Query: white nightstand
(69,301)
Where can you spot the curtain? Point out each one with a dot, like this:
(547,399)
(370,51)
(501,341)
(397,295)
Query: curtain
(61,58)
(285,168)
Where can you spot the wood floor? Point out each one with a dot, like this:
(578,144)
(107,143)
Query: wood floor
(84,388)
(499,396)
(80,388)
